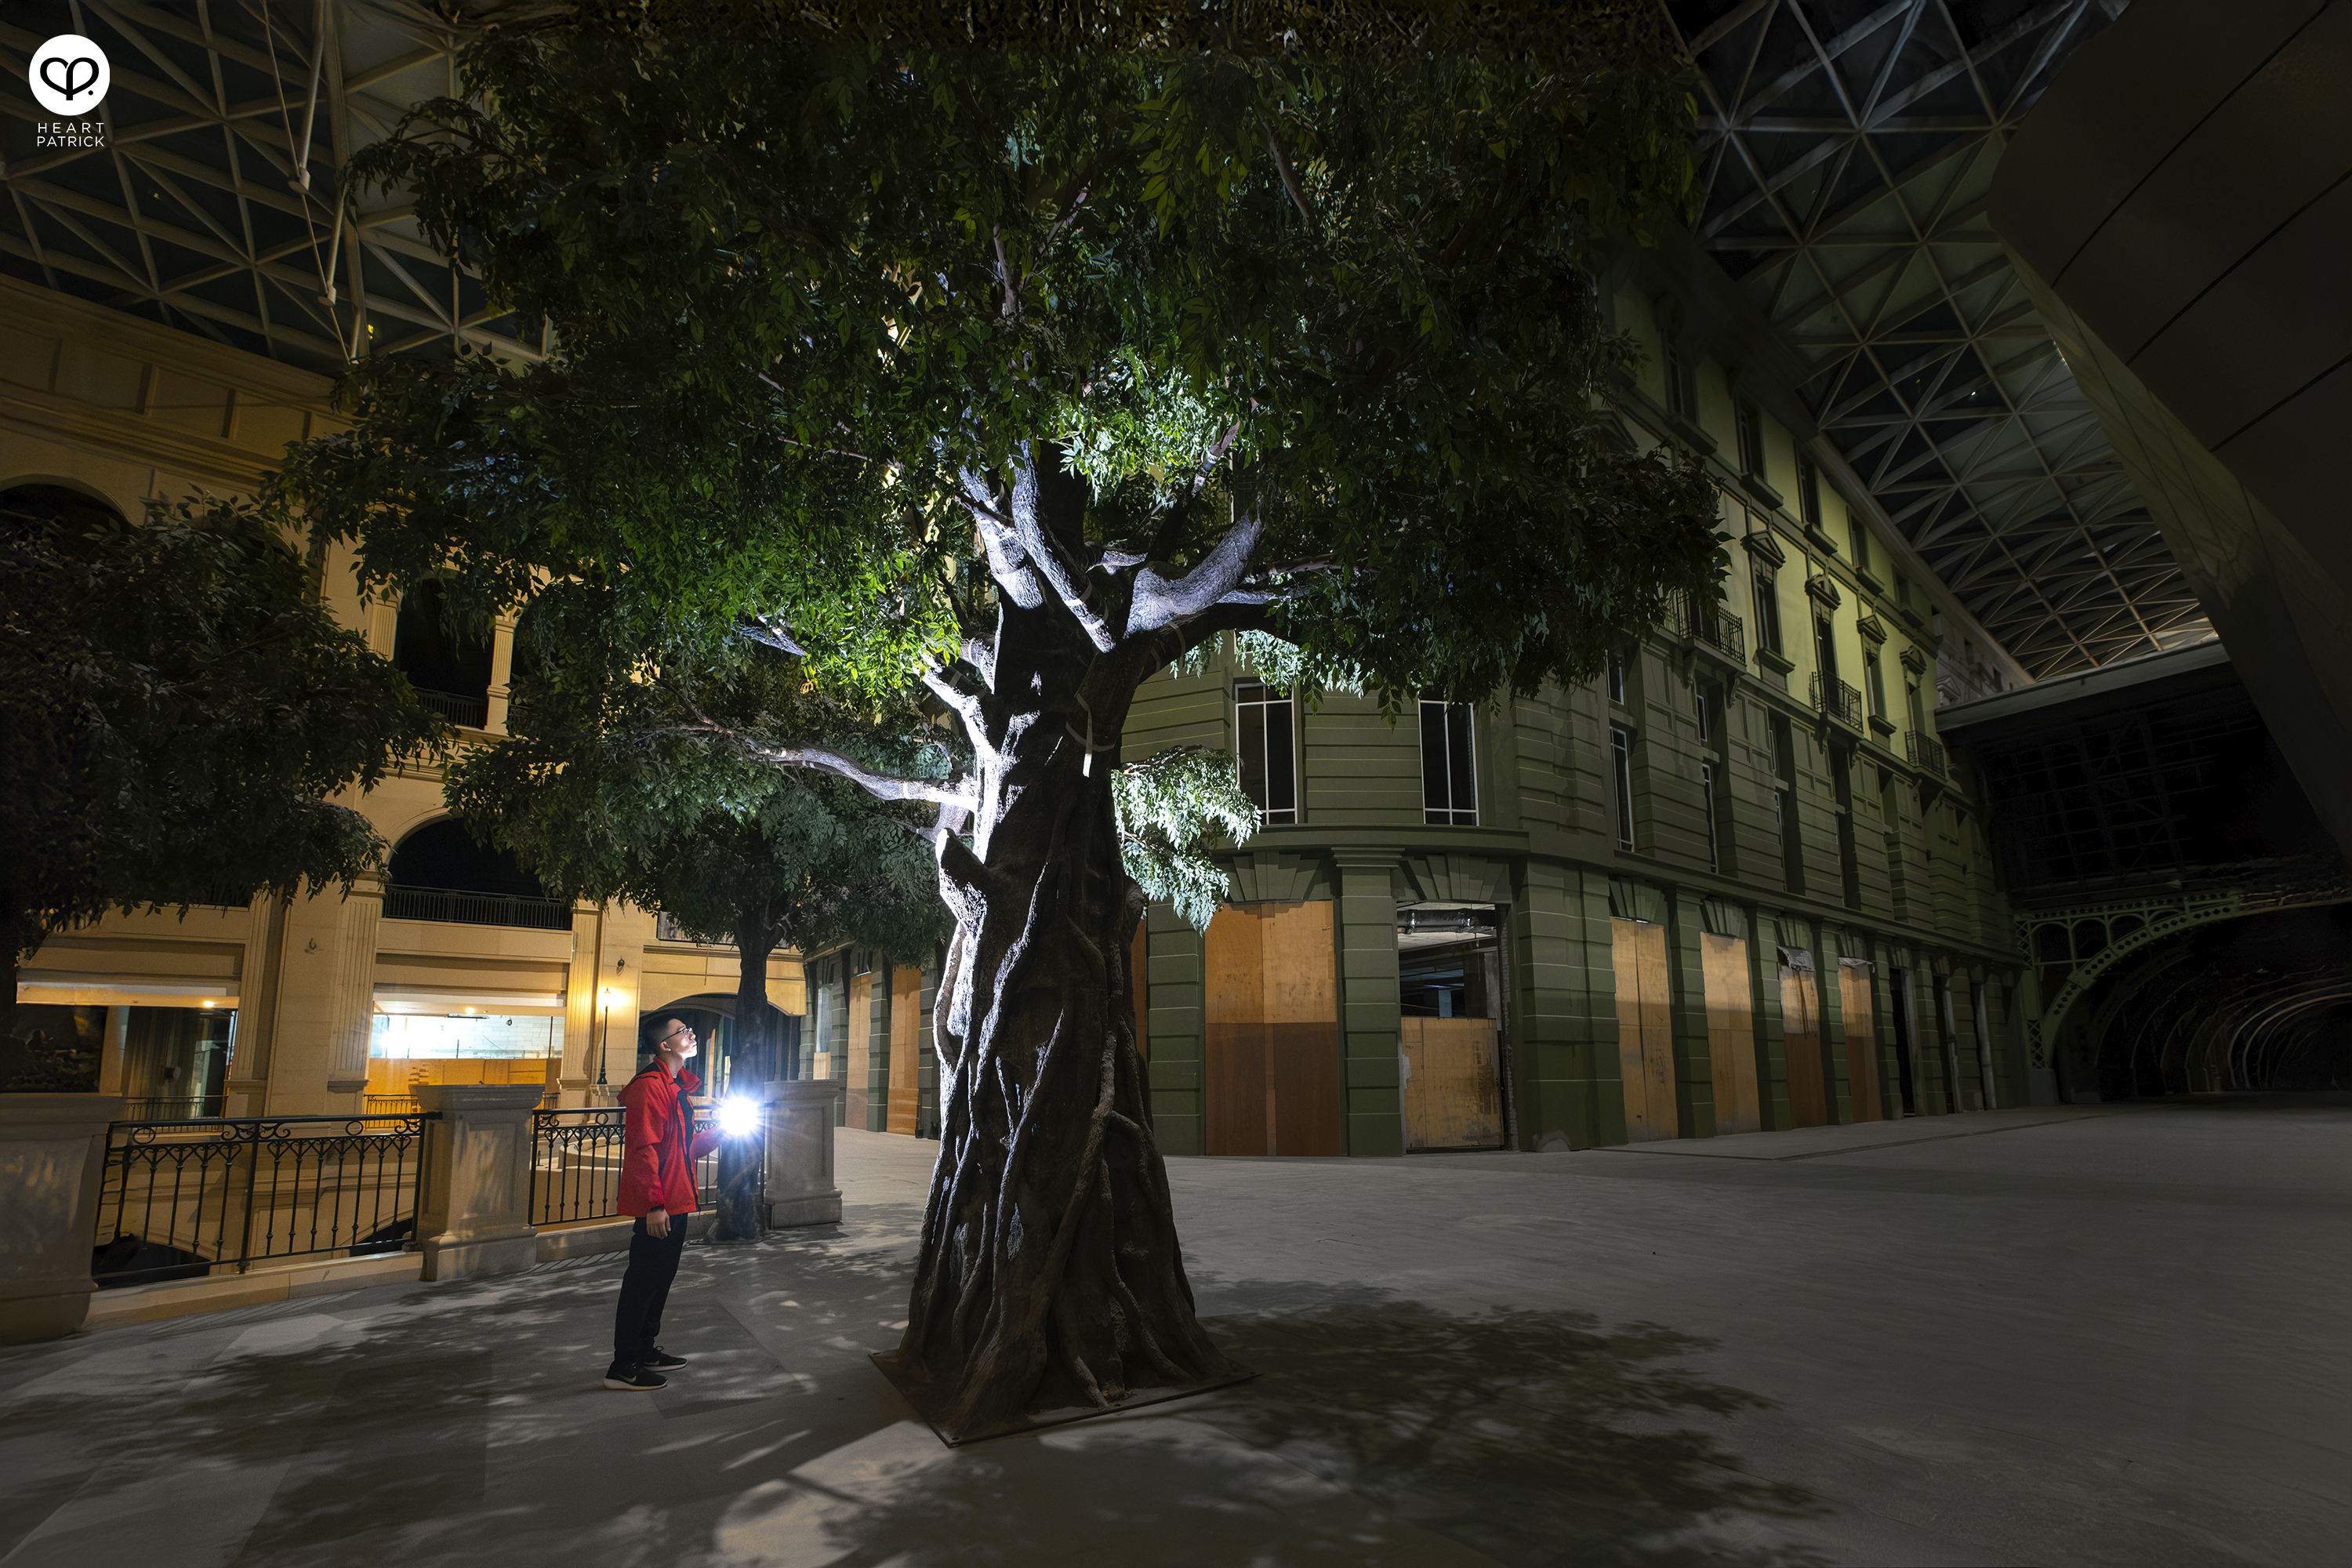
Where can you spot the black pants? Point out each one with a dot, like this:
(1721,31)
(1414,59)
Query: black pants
(653,1264)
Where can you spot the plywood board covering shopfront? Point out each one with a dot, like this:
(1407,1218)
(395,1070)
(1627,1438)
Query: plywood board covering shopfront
(1731,1035)
(1271,1030)
(1861,1040)
(861,1046)
(1644,1029)
(906,1020)
(1800,1045)
(1453,1094)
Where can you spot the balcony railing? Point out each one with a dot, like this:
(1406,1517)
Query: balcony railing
(1715,627)
(453,906)
(174,1107)
(1925,752)
(1837,700)
(472,711)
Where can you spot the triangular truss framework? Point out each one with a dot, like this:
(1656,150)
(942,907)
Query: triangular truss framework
(1845,153)
(218,204)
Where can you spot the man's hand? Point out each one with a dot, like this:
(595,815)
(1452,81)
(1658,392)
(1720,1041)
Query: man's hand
(657,1222)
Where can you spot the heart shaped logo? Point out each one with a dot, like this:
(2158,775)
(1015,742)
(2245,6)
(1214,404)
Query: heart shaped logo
(69,75)
(74,85)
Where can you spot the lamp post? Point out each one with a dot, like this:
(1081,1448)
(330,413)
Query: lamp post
(604,1030)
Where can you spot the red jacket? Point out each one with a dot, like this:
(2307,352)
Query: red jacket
(658,1170)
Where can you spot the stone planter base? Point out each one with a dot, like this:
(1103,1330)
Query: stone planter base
(52,1155)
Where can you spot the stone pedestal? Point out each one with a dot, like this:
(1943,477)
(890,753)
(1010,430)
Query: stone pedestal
(799,1116)
(52,1154)
(474,1218)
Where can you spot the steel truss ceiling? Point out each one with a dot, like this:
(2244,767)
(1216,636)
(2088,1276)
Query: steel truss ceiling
(218,204)
(1846,149)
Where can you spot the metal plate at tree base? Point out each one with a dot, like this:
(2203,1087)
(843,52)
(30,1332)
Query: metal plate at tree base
(929,1404)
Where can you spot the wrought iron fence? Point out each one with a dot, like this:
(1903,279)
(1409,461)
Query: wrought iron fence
(576,1159)
(1924,752)
(1838,699)
(472,711)
(455,906)
(390,1105)
(179,1199)
(1716,626)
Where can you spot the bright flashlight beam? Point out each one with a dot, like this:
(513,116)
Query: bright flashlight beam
(737,1117)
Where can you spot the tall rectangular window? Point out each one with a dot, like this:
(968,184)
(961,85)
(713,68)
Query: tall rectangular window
(1678,380)
(1751,439)
(1911,706)
(1876,681)
(1768,613)
(1449,788)
(1861,539)
(1825,653)
(1269,761)
(1621,760)
(1617,681)
(1706,717)
(1809,493)
(1706,801)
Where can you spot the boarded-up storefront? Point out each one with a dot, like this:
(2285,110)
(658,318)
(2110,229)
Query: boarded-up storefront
(1645,1030)
(1801,1041)
(906,1020)
(1861,1039)
(1271,1030)
(1731,1035)
(861,1048)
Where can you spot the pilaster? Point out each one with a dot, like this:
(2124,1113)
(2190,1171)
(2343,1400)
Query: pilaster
(1369,1041)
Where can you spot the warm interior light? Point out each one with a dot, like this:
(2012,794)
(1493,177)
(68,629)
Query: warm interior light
(737,1117)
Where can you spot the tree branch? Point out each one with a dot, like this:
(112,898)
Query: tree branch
(1290,183)
(1160,602)
(1048,562)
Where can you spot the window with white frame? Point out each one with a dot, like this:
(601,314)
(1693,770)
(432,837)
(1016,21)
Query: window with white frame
(1449,787)
(1621,760)
(1706,796)
(1265,725)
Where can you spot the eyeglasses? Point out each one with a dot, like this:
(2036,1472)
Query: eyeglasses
(673,1034)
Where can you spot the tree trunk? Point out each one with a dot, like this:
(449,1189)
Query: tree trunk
(755,939)
(1050,1277)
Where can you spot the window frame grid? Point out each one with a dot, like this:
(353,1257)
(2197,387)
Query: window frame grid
(1268,813)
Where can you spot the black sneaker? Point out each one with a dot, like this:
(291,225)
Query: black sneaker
(662,1361)
(638,1377)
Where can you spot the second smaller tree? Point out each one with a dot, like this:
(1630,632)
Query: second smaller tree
(624,778)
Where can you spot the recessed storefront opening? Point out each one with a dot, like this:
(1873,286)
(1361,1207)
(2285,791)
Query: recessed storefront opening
(1452,1023)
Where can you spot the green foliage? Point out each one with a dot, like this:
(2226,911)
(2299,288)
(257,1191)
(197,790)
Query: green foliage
(215,705)
(620,779)
(1173,808)
(802,285)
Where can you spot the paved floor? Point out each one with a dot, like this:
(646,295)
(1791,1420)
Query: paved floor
(2081,1336)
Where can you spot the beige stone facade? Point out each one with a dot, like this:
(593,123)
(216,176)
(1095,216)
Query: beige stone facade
(123,410)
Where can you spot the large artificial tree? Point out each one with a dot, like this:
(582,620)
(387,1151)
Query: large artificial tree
(180,709)
(1016,368)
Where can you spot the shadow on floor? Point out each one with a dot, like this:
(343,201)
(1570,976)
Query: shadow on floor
(1537,1437)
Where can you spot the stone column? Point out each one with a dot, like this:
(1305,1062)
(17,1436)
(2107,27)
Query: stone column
(800,1114)
(475,1218)
(351,999)
(52,1155)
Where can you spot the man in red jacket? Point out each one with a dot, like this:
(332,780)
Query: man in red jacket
(657,1186)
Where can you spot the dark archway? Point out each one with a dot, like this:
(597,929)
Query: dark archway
(450,669)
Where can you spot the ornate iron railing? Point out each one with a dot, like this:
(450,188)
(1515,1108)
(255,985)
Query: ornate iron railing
(453,906)
(1924,752)
(1838,700)
(471,710)
(576,1158)
(1714,627)
(179,1199)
